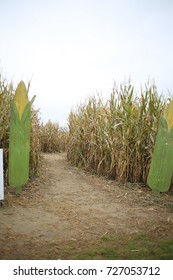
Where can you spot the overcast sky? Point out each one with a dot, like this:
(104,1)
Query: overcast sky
(73,48)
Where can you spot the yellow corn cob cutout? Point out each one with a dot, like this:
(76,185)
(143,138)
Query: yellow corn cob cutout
(21,98)
(168,115)
(19,144)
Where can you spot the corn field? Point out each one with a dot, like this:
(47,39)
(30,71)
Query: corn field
(35,144)
(113,138)
(6,95)
(116,138)
(53,138)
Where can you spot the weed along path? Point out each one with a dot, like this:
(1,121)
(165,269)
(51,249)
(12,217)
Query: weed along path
(72,214)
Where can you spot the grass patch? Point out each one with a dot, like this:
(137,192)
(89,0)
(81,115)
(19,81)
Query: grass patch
(138,246)
(105,237)
(169,205)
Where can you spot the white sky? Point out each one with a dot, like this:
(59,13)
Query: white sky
(73,48)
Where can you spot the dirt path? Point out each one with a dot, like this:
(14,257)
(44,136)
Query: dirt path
(72,210)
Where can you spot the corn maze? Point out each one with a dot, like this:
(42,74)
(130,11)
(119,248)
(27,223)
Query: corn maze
(113,138)
(84,192)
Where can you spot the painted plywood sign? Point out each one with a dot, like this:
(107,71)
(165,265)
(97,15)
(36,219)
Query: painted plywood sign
(19,140)
(161,170)
(1,176)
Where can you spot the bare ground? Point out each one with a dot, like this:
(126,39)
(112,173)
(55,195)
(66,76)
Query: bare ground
(71,210)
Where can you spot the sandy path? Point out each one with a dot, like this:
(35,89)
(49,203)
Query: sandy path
(71,209)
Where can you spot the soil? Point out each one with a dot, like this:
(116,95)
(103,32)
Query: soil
(69,210)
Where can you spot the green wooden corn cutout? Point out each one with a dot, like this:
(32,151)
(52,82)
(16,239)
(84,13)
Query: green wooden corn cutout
(161,169)
(19,143)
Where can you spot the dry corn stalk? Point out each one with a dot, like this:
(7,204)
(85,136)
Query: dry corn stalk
(116,138)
